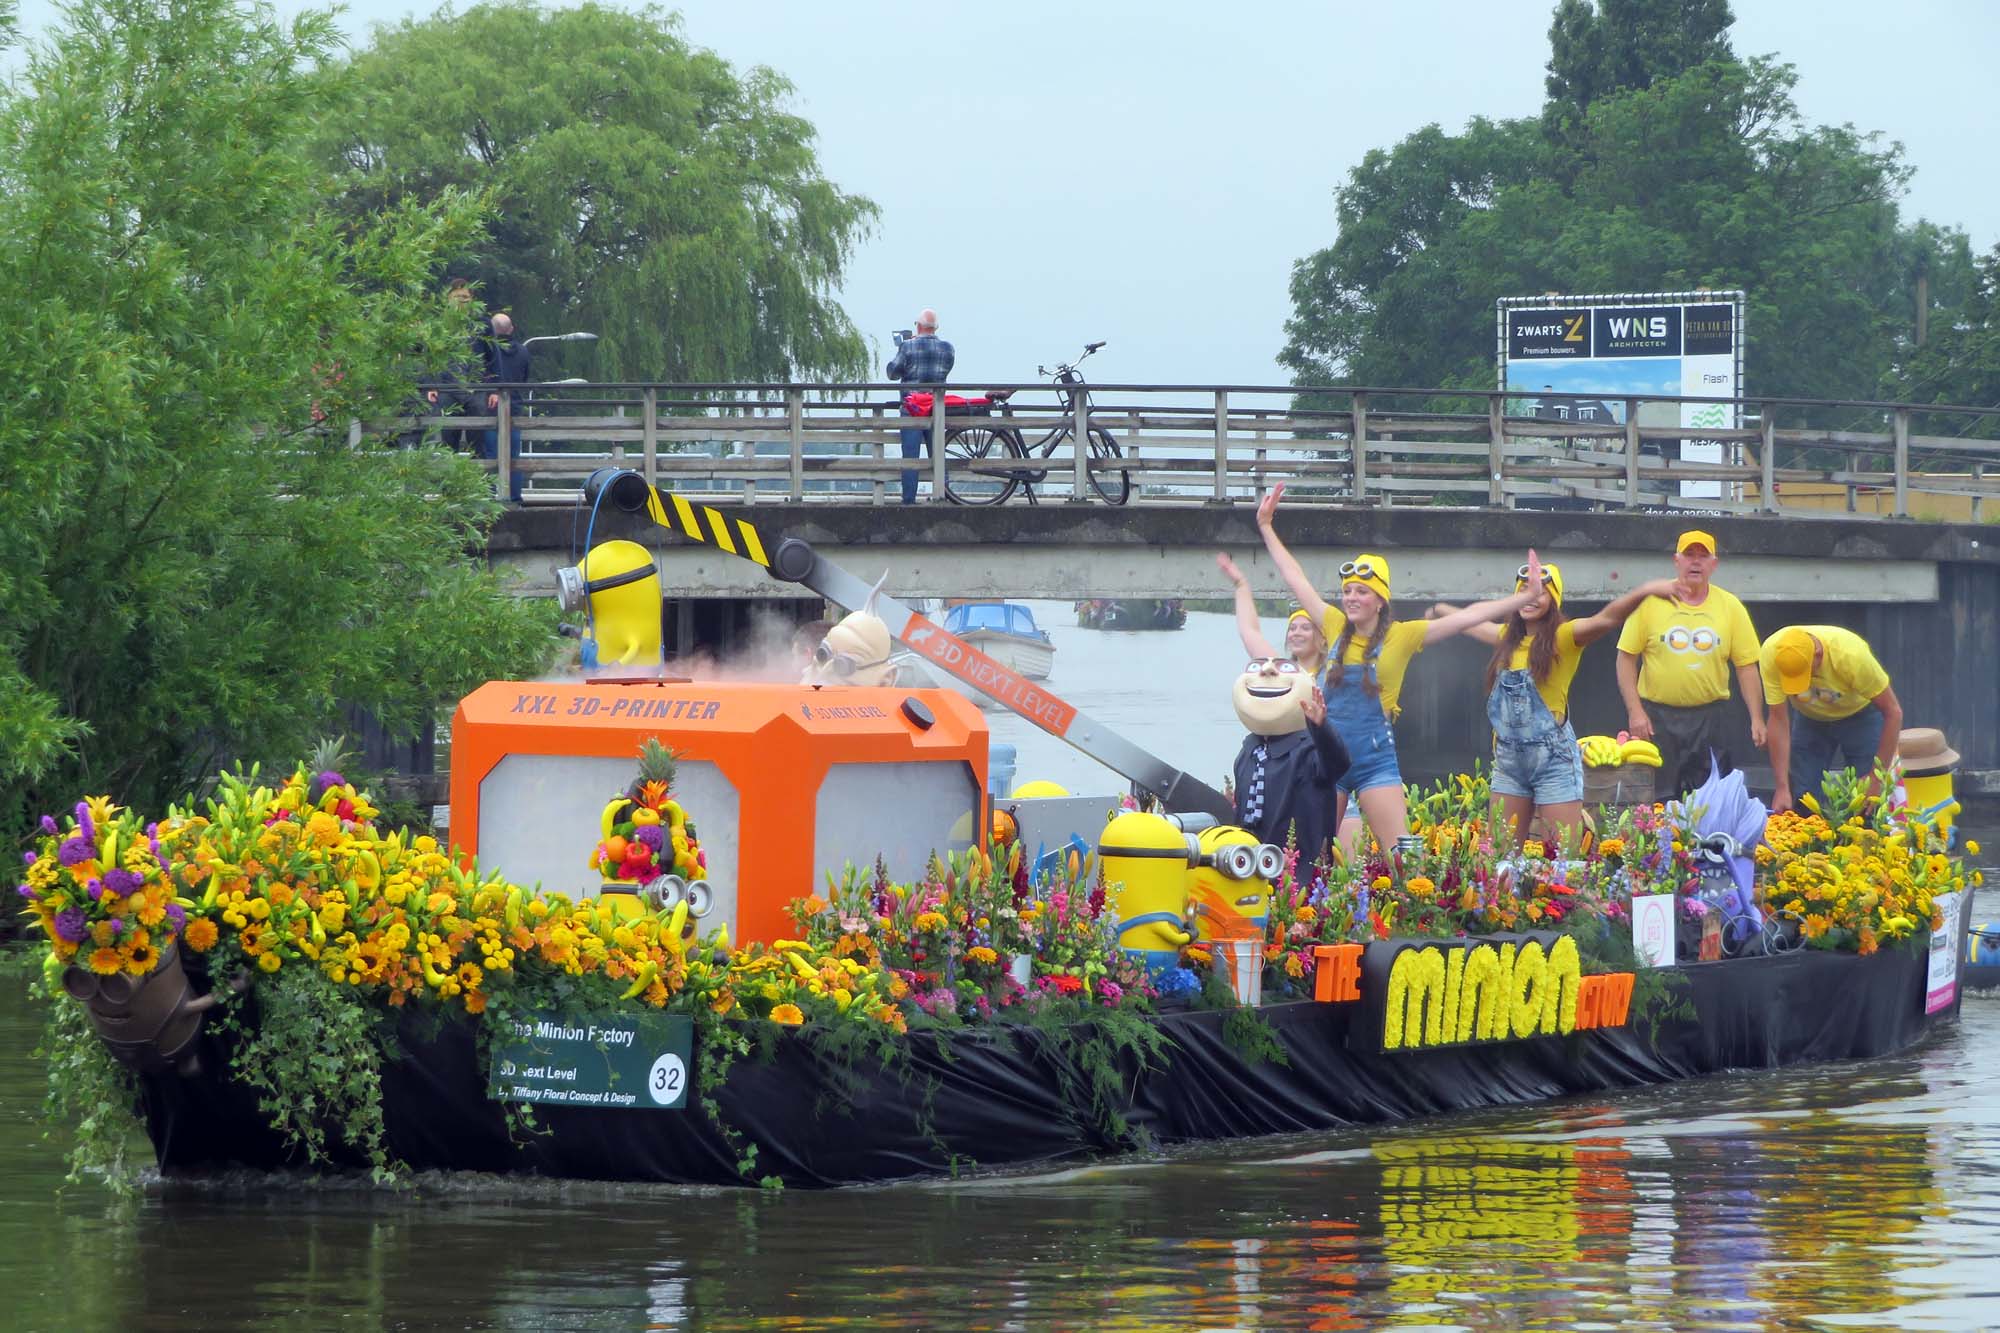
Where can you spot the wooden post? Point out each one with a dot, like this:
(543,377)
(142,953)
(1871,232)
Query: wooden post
(1222,446)
(1358,433)
(649,432)
(878,449)
(1496,451)
(1978,501)
(938,495)
(503,445)
(1079,441)
(354,432)
(1902,421)
(795,407)
(1631,453)
(1767,463)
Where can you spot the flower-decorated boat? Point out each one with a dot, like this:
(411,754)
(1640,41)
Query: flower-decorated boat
(351,997)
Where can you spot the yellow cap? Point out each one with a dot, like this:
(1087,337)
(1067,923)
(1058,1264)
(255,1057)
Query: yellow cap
(1298,613)
(1369,570)
(1551,575)
(1694,537)
(1792,654)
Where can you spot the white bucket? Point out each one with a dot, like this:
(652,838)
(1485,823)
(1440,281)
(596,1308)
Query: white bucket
(1240,963)
(1021,967)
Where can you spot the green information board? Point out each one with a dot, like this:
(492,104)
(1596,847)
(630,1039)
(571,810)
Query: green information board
(635,1061)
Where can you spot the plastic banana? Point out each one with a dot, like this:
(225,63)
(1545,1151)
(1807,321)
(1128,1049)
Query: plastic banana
(1636,751)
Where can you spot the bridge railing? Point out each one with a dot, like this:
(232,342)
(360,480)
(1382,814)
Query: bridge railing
(1225,444)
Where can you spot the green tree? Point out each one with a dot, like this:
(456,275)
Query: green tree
(190,570)
(1657,174)
(1960,361)
(644,190)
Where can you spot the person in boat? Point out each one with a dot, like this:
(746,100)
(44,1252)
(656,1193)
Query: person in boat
(1847,713)
(1291,760)
(1304,642)
(1370,651)
(1537,767)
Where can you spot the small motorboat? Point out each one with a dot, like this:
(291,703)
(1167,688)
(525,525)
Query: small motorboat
(1005,632)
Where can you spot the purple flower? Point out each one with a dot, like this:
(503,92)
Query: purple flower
(122,882)
(26,892)
(83,824)
(650,835)
(176,917)
(117,926)
(28,858)
(49,825)
(95,888)
(75,851)
(327,779)
(70,925)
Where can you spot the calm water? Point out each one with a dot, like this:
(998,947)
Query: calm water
(1855,1196)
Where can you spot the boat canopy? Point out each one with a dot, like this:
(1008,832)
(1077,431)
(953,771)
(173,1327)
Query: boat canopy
(1006,617)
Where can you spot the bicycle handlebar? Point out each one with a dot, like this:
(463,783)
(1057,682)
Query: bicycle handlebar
(1063,368)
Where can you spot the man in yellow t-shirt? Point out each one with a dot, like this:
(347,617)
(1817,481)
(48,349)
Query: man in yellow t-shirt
(1847,712)
(1674,660)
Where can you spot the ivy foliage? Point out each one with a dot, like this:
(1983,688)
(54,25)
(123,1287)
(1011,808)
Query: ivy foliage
(195,562)
(647,191)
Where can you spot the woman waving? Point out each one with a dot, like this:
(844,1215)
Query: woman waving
(1371,651)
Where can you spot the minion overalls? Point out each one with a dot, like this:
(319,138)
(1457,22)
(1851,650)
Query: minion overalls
(1533,754)
(1356,716)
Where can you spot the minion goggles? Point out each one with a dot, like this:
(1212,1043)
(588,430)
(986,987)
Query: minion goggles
(573,592)
(1241,861)
(1357,569)
(841,664)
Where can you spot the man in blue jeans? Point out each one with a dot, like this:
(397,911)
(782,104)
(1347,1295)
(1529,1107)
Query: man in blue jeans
(507,361)
(1848,716)
(922,359)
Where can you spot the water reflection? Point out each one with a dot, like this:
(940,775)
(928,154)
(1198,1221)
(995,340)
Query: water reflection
(1838,1196)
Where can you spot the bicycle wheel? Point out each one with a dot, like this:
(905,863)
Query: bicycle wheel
(978,445)
(1114,486)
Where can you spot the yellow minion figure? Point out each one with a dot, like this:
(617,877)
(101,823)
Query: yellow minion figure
(1229,886)
(1145,861)
(619,585)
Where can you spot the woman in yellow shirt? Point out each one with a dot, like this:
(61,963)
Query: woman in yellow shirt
(1361,704)
(1537,768)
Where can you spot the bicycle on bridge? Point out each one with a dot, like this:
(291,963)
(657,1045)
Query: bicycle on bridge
(989,442)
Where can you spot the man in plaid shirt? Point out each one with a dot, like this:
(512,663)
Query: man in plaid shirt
(924,359)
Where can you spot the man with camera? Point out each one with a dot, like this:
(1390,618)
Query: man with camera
(921,358)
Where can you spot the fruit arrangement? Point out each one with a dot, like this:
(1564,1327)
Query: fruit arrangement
(646,834)
(1624,748)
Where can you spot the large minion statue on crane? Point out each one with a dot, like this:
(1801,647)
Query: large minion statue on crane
(649,848)
(618,584)
(855,651)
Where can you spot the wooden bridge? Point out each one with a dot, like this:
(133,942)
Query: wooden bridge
(1225,444)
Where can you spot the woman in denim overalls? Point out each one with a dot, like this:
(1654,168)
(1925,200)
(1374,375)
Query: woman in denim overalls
(1364,674)
(1537,768)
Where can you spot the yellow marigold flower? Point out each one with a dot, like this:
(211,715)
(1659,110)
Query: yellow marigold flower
(106,961)
(259,909)
(1971,847)
(201,935)
(930,921)
(1534,847)
(439,902)
(1380,882)
(979,953)
(1422,886)
(788,1014)
(469,975)
(270,961)
(1615,847)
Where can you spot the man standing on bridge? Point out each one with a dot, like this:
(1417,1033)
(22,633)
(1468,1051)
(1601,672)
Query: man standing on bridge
(1674,656)
(922,359)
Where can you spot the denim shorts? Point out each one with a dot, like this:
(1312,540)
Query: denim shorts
(1547,772)
(1372,763)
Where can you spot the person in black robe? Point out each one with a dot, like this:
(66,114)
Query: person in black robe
(1291,759)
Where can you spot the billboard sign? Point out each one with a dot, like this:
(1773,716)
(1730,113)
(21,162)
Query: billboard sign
(1608,349)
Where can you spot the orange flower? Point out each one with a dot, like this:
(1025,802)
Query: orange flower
(105,962)
(788,1014)
(201,935)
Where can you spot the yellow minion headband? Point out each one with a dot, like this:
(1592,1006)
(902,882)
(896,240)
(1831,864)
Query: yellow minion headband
(1552,579)
(1370,571)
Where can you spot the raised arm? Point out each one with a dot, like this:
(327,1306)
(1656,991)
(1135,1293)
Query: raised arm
(1289,568)
(1247,625)
(1592,628)
(1457,622)
(1487,631)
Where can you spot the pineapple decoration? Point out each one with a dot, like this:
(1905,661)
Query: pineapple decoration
(327,790)
(646,833)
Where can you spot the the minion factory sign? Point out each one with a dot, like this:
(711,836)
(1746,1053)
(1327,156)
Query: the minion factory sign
(1584,359)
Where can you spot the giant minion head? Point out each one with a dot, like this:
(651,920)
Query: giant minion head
(620,586)
(1229,888)
(855,651)
(1268,693)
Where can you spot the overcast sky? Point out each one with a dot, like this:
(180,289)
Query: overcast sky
(1147,173)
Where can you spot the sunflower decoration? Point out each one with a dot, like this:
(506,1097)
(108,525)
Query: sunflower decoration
(646,834)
